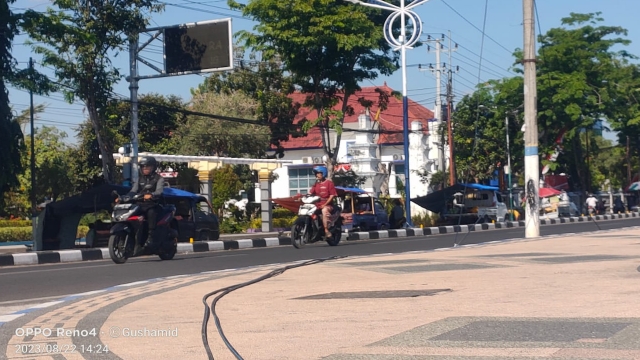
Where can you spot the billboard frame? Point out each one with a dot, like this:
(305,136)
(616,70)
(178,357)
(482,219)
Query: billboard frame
(134,50)
(161,31)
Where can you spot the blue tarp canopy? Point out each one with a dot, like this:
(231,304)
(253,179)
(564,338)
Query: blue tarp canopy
(480,187)
(171,192)
(352,190)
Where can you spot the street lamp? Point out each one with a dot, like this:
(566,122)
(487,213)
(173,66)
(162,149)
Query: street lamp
(402,43)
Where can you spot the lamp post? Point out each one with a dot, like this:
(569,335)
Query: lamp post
(402,43)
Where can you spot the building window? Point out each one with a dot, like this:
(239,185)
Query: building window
(300,180)
(399,169)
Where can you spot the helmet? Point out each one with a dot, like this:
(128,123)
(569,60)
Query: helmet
(148,161)
(320,169)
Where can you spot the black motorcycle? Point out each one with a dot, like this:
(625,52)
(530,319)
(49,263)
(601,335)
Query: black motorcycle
(129,232)
(308,227)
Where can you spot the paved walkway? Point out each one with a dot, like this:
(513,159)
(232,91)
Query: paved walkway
(570,297)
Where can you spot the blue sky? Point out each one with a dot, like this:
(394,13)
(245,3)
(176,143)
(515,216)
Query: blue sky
(462,17)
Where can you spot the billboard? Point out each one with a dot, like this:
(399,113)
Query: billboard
(198,47)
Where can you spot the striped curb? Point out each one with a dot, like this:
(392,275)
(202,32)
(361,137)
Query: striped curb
(64,256)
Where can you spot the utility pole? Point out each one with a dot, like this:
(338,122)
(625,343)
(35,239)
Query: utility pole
(531,159)
(438,109)
(452,162)
(439,48)
(33,156)
(133,88)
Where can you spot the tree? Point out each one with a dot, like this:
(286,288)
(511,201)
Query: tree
(77,39)
(53,171)
(266,83)
(24,117)
(576,65)
(581,80)
(210,137)
(328,47)
(159,117)
(478,136)
(225,185)
(11,138)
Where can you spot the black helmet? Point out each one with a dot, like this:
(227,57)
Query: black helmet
(148,161)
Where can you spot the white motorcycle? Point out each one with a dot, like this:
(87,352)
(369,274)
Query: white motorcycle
(308,227)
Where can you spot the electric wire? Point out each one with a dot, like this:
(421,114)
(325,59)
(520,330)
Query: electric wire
(210,310)
(475,138)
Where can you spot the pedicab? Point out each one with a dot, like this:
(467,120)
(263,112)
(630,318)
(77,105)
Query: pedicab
(361,211)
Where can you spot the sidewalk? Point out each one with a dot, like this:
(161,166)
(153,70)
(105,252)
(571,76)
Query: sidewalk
(559,297)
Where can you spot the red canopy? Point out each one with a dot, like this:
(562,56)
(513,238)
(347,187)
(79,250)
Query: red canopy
(547,192)
(291,203)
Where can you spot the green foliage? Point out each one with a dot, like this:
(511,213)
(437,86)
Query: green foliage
(188,180)
(76,40)
(91,218)
(24,233)
(277,223)
(11,139)
(206,136)
(14,223)
(225,185)
(232,226)
(581,79)
(579,73)
(348,179)
(425,220)
(264,81)
(53,175)
(278,213)
(322,44)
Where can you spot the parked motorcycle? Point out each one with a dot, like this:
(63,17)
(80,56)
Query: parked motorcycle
(308,227)
(129,232)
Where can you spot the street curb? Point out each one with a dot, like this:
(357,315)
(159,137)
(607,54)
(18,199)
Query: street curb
(76,255)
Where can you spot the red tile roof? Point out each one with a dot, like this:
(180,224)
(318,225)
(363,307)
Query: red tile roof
(388,120)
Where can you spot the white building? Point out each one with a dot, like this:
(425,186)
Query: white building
(377,155)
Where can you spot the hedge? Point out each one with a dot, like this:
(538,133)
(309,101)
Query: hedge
(14,223)
(23,233)
(278,223)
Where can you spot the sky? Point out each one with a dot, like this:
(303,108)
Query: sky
(479,58)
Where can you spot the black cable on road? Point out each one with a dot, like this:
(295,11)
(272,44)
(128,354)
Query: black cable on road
(224,291)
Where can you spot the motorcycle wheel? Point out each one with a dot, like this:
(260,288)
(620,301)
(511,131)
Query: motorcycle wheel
(299,234)
(117,252)
(334,240)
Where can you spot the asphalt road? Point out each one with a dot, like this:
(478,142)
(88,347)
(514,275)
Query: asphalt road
(41,282)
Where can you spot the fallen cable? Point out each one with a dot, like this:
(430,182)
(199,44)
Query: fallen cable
(224,291)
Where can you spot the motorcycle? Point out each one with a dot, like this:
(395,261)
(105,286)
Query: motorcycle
(128,233)
(308,227)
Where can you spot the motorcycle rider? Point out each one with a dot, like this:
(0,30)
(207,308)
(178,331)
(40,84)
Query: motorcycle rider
(327,192)
(149,176)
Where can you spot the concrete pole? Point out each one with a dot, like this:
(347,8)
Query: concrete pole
(265,200)
(531,159)
(441,166)
(133,87)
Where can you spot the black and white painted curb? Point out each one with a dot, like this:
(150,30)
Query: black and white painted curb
(63,256)
(16,314)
